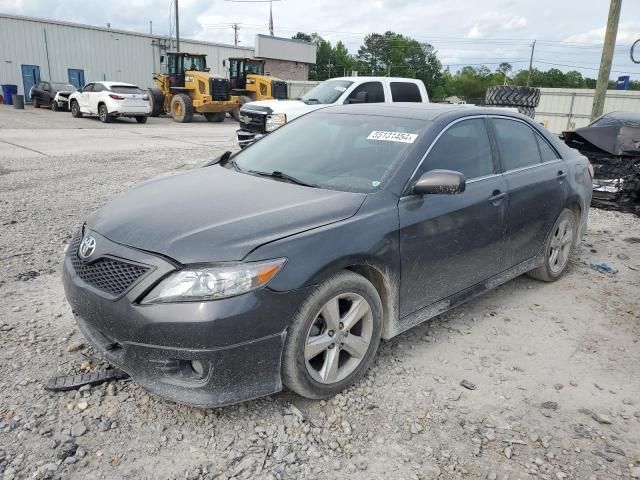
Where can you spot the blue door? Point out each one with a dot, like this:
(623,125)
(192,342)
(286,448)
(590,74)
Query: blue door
(76,77)
(30,76)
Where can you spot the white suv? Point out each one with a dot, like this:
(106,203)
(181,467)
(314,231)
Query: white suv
(109,100)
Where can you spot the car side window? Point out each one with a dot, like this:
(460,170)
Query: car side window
(46,87)
(546,151)
(405,92)
(374,91)
(98,87)
(517,144)
(88,88)
(464,147)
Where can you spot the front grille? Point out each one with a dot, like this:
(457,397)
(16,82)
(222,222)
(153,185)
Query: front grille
(256,122)
(220,88)
(107,274)
(279,89)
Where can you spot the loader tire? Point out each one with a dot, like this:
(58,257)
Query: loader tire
(235,113)
(513,96)
(528,111)
(182,108)
(157,102)
(216,117)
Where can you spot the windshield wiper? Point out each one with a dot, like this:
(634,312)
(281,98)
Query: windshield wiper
(283,176)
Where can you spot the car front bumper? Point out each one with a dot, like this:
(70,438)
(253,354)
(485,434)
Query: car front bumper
(246,138)
(236,343)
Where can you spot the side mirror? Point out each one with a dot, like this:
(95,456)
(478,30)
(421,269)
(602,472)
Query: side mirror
(224,63)
(440,181)
(161,58)
(79,90)
(361,97)
(221,159)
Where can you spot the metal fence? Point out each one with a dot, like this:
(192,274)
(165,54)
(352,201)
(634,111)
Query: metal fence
(562,109)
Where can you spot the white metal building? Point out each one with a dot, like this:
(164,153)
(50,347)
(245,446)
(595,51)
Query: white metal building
(32,49)
(562,109)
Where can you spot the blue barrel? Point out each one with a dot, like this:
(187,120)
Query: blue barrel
(7,91)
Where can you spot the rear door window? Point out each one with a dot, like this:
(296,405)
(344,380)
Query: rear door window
(374,90)
(126,89)
(517,144)
(405,92)
(464,147)
(546,151)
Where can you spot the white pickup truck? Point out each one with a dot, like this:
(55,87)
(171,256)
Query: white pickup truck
(260,118)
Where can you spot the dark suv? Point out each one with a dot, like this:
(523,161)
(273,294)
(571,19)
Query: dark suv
(289,261)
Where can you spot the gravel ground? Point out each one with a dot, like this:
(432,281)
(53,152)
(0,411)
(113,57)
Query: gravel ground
(551,370)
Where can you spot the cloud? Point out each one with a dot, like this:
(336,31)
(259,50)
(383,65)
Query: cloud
(628,32)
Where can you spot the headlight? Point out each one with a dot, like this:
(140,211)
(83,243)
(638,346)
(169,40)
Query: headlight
(210,283)
(276,120)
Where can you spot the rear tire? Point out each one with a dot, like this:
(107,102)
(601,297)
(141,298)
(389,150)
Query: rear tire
(558,248)
(216,117)
(75,109)
(235,113)
(314,344)
(103,114)
(182,108)
(141,119)
(157,102)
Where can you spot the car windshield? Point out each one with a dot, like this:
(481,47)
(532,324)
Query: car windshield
(62,87)
(194,63)
(326,92)
(126,89)
(352,153)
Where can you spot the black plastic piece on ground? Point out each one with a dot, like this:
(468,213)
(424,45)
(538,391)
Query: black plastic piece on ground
(72,382)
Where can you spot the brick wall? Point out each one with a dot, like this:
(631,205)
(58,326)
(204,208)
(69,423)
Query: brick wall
(286,70)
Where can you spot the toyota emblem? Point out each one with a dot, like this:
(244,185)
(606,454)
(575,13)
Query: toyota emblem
(87,247)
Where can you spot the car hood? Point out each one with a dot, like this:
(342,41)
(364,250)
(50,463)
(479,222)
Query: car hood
(215,214)
(292,108)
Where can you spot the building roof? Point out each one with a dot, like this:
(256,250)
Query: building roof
(115,30)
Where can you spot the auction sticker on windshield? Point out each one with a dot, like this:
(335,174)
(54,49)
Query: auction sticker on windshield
(393,136)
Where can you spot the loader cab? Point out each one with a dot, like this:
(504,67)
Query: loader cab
(239,68)
(180,62)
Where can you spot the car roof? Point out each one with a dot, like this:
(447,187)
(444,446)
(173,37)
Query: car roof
(420,111)
(368,79)
(115,84)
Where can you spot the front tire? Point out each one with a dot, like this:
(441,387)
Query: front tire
(333,337)
(182,108)
(54,106)
(36,103)
(558,248)
(103,113)
(141,119)
(75,109)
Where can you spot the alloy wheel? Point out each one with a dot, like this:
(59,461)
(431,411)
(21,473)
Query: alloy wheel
(338,338)
(560,247)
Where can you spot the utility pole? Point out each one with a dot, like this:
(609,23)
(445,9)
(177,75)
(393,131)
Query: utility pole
(235,27)
(177,28)
(607,58)
(533,47)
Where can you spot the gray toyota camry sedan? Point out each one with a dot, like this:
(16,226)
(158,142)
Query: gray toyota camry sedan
(288,262)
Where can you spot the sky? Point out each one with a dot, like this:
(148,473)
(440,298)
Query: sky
(568,33)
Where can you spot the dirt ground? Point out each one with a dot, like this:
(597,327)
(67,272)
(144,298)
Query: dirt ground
(554,368)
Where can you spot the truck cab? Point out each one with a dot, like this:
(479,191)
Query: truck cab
(262,117)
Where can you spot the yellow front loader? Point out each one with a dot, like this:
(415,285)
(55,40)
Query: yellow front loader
(189,88)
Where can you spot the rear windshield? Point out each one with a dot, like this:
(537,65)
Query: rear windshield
(60,87)
(352,153)
(126,89)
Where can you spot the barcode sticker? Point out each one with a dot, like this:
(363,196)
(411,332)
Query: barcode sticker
(393,136)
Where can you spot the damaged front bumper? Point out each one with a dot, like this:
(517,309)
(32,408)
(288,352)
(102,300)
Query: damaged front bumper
(210,353)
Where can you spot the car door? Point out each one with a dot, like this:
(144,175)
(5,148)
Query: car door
(36,92)
(367,92)
(46,93)
(451,242)
(87,90)
(94,97)
(537,187)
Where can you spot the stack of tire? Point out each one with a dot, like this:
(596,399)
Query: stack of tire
(525,99)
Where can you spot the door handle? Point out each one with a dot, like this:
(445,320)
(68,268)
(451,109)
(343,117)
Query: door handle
(496,196)
(561,174)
